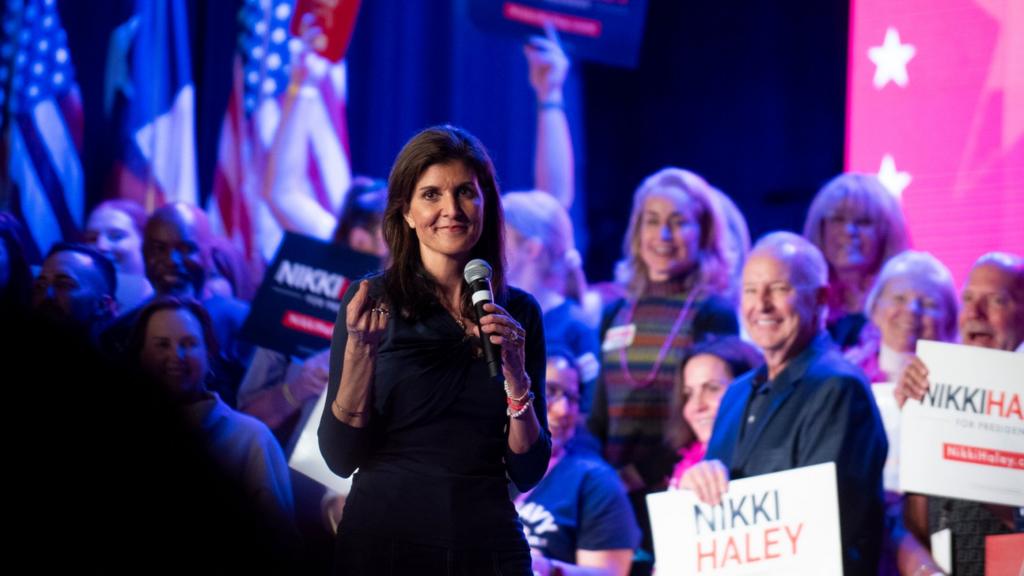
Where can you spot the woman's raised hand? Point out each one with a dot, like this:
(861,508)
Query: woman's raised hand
(366,321)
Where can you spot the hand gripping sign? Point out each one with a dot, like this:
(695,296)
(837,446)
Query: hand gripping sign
(780,523)
(965,439)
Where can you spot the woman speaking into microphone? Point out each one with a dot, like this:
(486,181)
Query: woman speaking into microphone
(413,407)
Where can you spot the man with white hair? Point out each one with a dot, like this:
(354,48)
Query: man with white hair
(991,316)
(806,406)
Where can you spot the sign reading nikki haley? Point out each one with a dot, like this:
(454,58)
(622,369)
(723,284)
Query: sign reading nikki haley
(965,439)
(781,523)
(297,303)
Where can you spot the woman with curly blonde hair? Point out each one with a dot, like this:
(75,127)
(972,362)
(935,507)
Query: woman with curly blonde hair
(675,272)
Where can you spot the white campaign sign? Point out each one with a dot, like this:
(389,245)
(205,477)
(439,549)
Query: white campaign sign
(885,399)
(966,438)
(781,523)
(306,457)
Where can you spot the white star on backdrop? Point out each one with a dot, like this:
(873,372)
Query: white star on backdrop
(891,59)
(894,180)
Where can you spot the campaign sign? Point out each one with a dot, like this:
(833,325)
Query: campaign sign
(889,410)
(335,18)
(306,457)
(297,303)
(1004,554)
(965,439)
(607,31)
(780,523)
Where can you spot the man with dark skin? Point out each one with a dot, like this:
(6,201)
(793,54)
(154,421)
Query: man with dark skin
(75,289)
(176,252)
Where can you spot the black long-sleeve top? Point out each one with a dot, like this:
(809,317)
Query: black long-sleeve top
(434,461)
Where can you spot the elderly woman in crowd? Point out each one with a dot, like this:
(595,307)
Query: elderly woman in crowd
(703,377)
(412,404)
(913,298)
(578,520)
(858,226)
(542,257)
(115,228)
(676,266)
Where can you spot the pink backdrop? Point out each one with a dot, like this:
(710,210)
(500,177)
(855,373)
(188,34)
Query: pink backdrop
(935,106)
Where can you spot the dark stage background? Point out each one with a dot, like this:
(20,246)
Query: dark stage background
(746,93)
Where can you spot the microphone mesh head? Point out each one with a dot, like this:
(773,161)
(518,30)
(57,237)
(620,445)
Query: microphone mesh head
(476,270)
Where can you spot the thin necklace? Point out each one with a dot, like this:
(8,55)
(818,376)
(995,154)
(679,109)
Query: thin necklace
(457,316)
(624,365)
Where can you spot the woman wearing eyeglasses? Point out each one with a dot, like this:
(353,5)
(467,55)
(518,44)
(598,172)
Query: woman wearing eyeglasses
(578,520)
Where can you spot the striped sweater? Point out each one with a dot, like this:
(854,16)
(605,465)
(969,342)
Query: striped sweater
(631,409)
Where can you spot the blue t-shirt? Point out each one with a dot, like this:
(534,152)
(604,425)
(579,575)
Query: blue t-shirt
(565,329)
(580,504)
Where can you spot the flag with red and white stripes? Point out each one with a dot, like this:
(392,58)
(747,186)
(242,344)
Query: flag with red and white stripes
(149,75)
(43,117)
(261,77)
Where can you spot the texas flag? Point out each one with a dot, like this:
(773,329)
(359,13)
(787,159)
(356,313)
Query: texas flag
(936,109)
(149,70)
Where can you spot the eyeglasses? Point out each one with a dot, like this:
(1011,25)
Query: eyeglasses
(42,285)
(556,394)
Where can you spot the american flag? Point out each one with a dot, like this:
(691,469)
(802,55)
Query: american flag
(261,78)
(43,118)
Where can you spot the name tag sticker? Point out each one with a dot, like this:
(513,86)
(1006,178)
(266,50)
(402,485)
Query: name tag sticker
(618,337)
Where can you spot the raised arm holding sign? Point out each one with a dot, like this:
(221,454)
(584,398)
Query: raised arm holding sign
(991,316)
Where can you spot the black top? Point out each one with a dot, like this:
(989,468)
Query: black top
(434,461)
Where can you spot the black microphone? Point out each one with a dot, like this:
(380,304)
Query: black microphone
(478,276)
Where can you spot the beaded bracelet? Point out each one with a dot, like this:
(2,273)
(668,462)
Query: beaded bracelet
(550,105)
(517,410)
(508,393)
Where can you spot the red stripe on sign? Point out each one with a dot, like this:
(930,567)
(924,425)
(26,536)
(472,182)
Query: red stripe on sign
(307,324)
(562,22)
(983,456)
